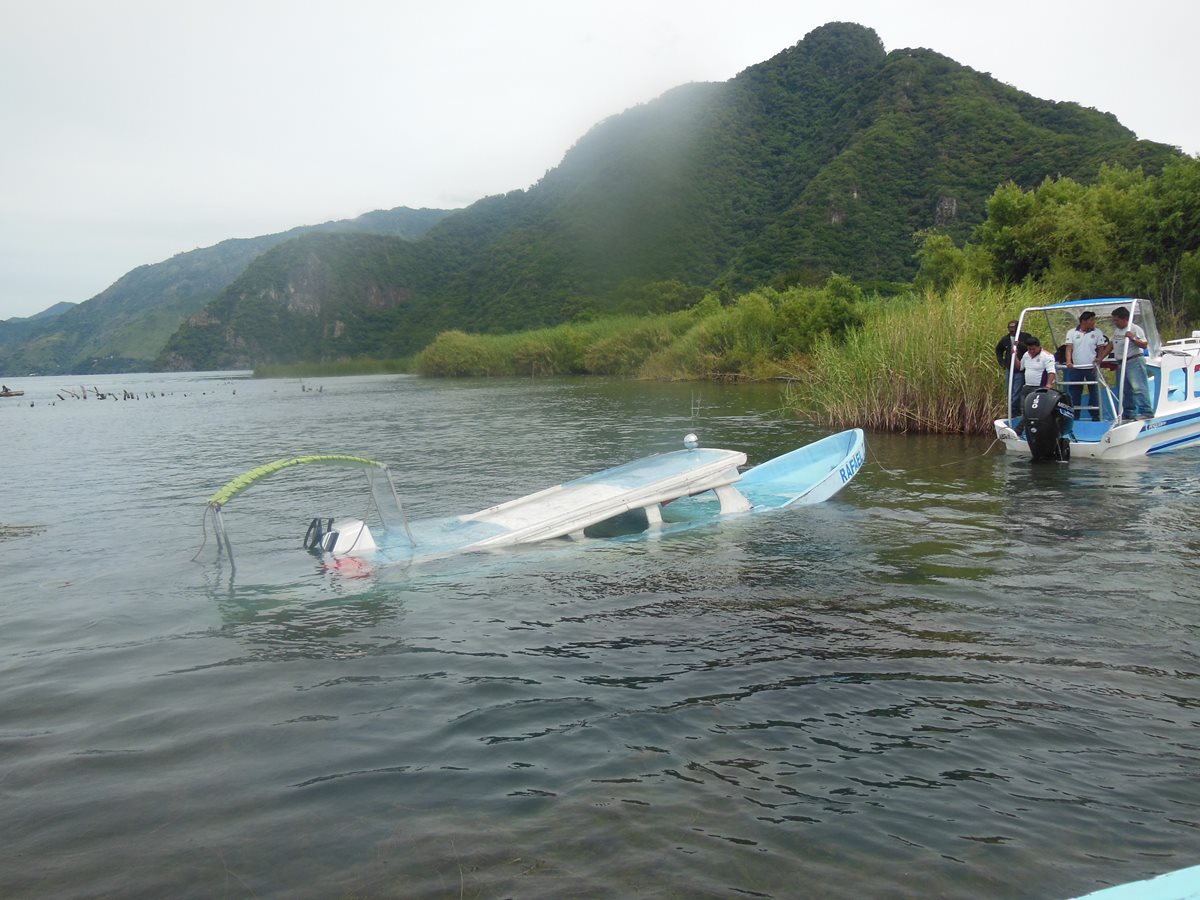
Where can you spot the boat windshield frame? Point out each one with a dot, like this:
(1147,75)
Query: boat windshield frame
(1050,324)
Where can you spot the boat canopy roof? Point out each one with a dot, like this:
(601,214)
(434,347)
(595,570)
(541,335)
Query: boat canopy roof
(243,481)
(1058,318)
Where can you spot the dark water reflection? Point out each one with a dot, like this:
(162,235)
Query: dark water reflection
(965,676)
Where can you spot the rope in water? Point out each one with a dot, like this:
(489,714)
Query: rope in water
(953,462)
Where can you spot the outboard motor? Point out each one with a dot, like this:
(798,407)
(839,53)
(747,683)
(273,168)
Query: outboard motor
(1048,420)
(316,533)
(339,537)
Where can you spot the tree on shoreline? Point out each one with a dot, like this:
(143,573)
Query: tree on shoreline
(1128,234)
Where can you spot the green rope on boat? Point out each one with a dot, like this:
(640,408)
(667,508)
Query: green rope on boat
(243,481)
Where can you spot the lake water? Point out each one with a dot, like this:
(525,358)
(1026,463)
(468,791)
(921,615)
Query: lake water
(964,676)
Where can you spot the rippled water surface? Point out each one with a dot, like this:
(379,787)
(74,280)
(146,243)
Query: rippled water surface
(964,676)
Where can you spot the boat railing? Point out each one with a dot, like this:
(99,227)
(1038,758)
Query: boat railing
(1093,386)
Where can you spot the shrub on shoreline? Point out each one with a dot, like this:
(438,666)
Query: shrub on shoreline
(616,345)
(745,339)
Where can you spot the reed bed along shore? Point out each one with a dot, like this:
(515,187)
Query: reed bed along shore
(910,362)
(711,340)
(615,345)
(918,363)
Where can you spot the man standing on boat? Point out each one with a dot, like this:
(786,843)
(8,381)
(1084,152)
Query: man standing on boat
(1083,345)
(1127,344)
(1038,366)
(1010,365)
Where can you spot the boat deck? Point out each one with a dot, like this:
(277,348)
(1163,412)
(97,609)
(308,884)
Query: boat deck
(1087,430)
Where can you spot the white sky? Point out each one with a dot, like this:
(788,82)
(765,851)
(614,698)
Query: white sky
(131,130)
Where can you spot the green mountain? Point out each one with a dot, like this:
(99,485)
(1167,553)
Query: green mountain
(828,157)
(51,311)
(124,327)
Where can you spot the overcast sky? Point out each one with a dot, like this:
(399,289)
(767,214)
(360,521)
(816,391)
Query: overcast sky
(131,130)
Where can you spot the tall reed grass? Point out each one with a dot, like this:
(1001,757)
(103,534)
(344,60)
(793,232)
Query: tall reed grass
(914,362)
(918,363)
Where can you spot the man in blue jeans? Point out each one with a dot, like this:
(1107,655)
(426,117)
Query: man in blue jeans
(1083,345)
(1127,344)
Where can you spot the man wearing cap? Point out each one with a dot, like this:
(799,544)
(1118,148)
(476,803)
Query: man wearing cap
(1083,345)
(1006,357)
(1127,344)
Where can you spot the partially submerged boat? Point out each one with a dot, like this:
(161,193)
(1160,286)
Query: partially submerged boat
(667,491)
(1182,884)
(1056,430)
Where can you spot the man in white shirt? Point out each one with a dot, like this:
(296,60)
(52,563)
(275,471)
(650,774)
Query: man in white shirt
(1083,343)
(1038,366)
(1127,344)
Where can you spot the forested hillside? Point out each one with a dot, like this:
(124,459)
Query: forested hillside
(830,157)
(124,327)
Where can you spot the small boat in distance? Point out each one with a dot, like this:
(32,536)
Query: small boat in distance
(6,391)
(669,491)
(1104,430)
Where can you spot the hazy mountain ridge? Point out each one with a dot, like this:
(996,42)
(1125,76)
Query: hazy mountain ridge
(124,327)
(828,157)
(48,313)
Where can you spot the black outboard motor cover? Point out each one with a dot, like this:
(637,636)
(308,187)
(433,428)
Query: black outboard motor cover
(1048,419)
(317,531)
